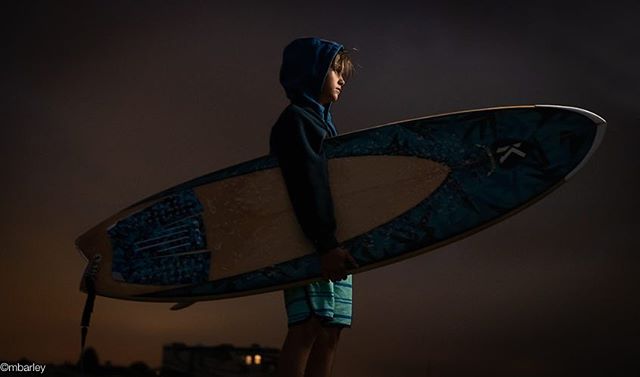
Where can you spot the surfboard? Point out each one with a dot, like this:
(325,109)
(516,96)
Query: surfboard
(399,190)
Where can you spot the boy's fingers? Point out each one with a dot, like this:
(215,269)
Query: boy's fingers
(353,261)
(337,278)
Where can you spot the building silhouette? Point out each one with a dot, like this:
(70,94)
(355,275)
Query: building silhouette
(225,360)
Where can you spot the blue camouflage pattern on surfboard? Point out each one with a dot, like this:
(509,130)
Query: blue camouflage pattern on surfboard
(500,159)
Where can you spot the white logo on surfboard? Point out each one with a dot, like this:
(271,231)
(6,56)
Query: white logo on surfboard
(509,150)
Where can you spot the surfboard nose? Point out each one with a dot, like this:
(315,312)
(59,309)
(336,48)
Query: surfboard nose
(601,126)
(597,119)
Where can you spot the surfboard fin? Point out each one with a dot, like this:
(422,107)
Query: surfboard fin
(182,305)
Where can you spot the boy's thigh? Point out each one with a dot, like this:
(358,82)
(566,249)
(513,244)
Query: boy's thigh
(310,327)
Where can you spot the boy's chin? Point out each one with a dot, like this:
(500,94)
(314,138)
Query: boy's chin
(332,99)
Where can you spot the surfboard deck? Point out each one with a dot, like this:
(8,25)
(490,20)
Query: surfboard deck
(399,190)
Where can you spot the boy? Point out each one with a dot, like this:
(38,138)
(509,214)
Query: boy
(313,74)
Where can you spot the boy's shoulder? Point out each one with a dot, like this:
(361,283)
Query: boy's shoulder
(295,110)
(297,114)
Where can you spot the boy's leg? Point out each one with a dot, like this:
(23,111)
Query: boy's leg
(320,362)
(314,345)
(297,347)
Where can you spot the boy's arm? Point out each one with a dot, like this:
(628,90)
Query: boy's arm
(305,172)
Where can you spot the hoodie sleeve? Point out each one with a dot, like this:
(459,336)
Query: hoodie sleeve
(298,146)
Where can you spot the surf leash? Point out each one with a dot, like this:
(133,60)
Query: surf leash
(86,316)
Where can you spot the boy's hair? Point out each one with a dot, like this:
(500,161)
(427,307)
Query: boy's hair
(342,63)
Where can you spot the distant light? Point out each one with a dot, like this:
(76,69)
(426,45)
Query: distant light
(258,359)
(247,360)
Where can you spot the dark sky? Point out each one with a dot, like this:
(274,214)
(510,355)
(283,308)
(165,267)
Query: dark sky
(105,103)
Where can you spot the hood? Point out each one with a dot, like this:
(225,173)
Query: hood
(305,63)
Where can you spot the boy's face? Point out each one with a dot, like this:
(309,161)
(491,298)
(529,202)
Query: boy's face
(332,88)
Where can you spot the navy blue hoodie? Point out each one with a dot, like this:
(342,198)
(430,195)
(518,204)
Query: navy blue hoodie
(297,138)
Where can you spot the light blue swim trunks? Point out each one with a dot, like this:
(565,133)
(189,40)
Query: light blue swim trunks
(330,301)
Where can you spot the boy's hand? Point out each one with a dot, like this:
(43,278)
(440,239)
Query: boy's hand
(334,264)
